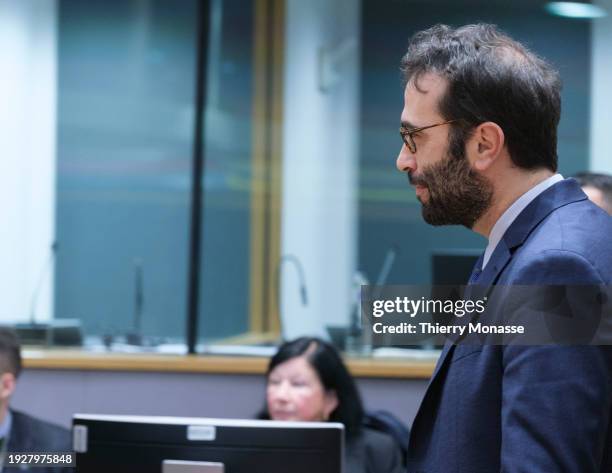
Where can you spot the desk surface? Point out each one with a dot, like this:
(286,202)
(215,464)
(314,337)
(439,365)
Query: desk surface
(83,360)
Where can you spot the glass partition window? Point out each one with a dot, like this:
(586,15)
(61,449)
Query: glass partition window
(229,125)
(124,158)
(301,201)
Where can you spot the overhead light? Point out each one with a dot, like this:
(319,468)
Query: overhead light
(575,10)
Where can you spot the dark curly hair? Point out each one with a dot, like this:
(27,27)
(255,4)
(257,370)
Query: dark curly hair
(491,77)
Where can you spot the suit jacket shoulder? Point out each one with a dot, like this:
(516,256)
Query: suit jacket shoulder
(561,238)
(29,434)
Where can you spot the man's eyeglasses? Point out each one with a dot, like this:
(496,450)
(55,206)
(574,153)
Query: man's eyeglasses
(406,134)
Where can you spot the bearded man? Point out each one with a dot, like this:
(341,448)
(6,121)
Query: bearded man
(479,131)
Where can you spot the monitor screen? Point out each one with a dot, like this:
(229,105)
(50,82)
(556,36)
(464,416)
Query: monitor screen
(123,444)
(452,267)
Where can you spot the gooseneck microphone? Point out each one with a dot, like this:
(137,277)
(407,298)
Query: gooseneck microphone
(355,325)
(136,337)
(390,256)
(300,271)
(290,258)
(138,295)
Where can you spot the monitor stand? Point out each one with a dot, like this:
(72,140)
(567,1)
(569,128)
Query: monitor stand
(181,466)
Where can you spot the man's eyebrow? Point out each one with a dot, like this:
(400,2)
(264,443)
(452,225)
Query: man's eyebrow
(408,125)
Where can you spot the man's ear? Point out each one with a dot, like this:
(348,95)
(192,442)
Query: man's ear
(485,144)
(7,386)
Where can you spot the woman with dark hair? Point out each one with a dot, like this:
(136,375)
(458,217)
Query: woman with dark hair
(307,381)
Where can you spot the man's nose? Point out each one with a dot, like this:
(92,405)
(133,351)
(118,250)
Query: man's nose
(405,160)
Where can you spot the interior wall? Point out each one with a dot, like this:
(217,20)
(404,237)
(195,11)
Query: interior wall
(320,157)
(55,395)
(27,168)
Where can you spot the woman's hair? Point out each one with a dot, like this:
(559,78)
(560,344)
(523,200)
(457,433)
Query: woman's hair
(333,375)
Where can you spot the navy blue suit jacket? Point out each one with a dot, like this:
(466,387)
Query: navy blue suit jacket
(527,409)
(31,435)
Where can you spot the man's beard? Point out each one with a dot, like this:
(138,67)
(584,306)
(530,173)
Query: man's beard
(457,194)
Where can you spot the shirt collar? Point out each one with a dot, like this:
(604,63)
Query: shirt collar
(506,219)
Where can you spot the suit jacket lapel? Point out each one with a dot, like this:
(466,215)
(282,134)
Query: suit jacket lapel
(446,353)
(448,343)
(498,261)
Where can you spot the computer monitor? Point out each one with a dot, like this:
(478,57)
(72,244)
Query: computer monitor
(128,444)
(452,267)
